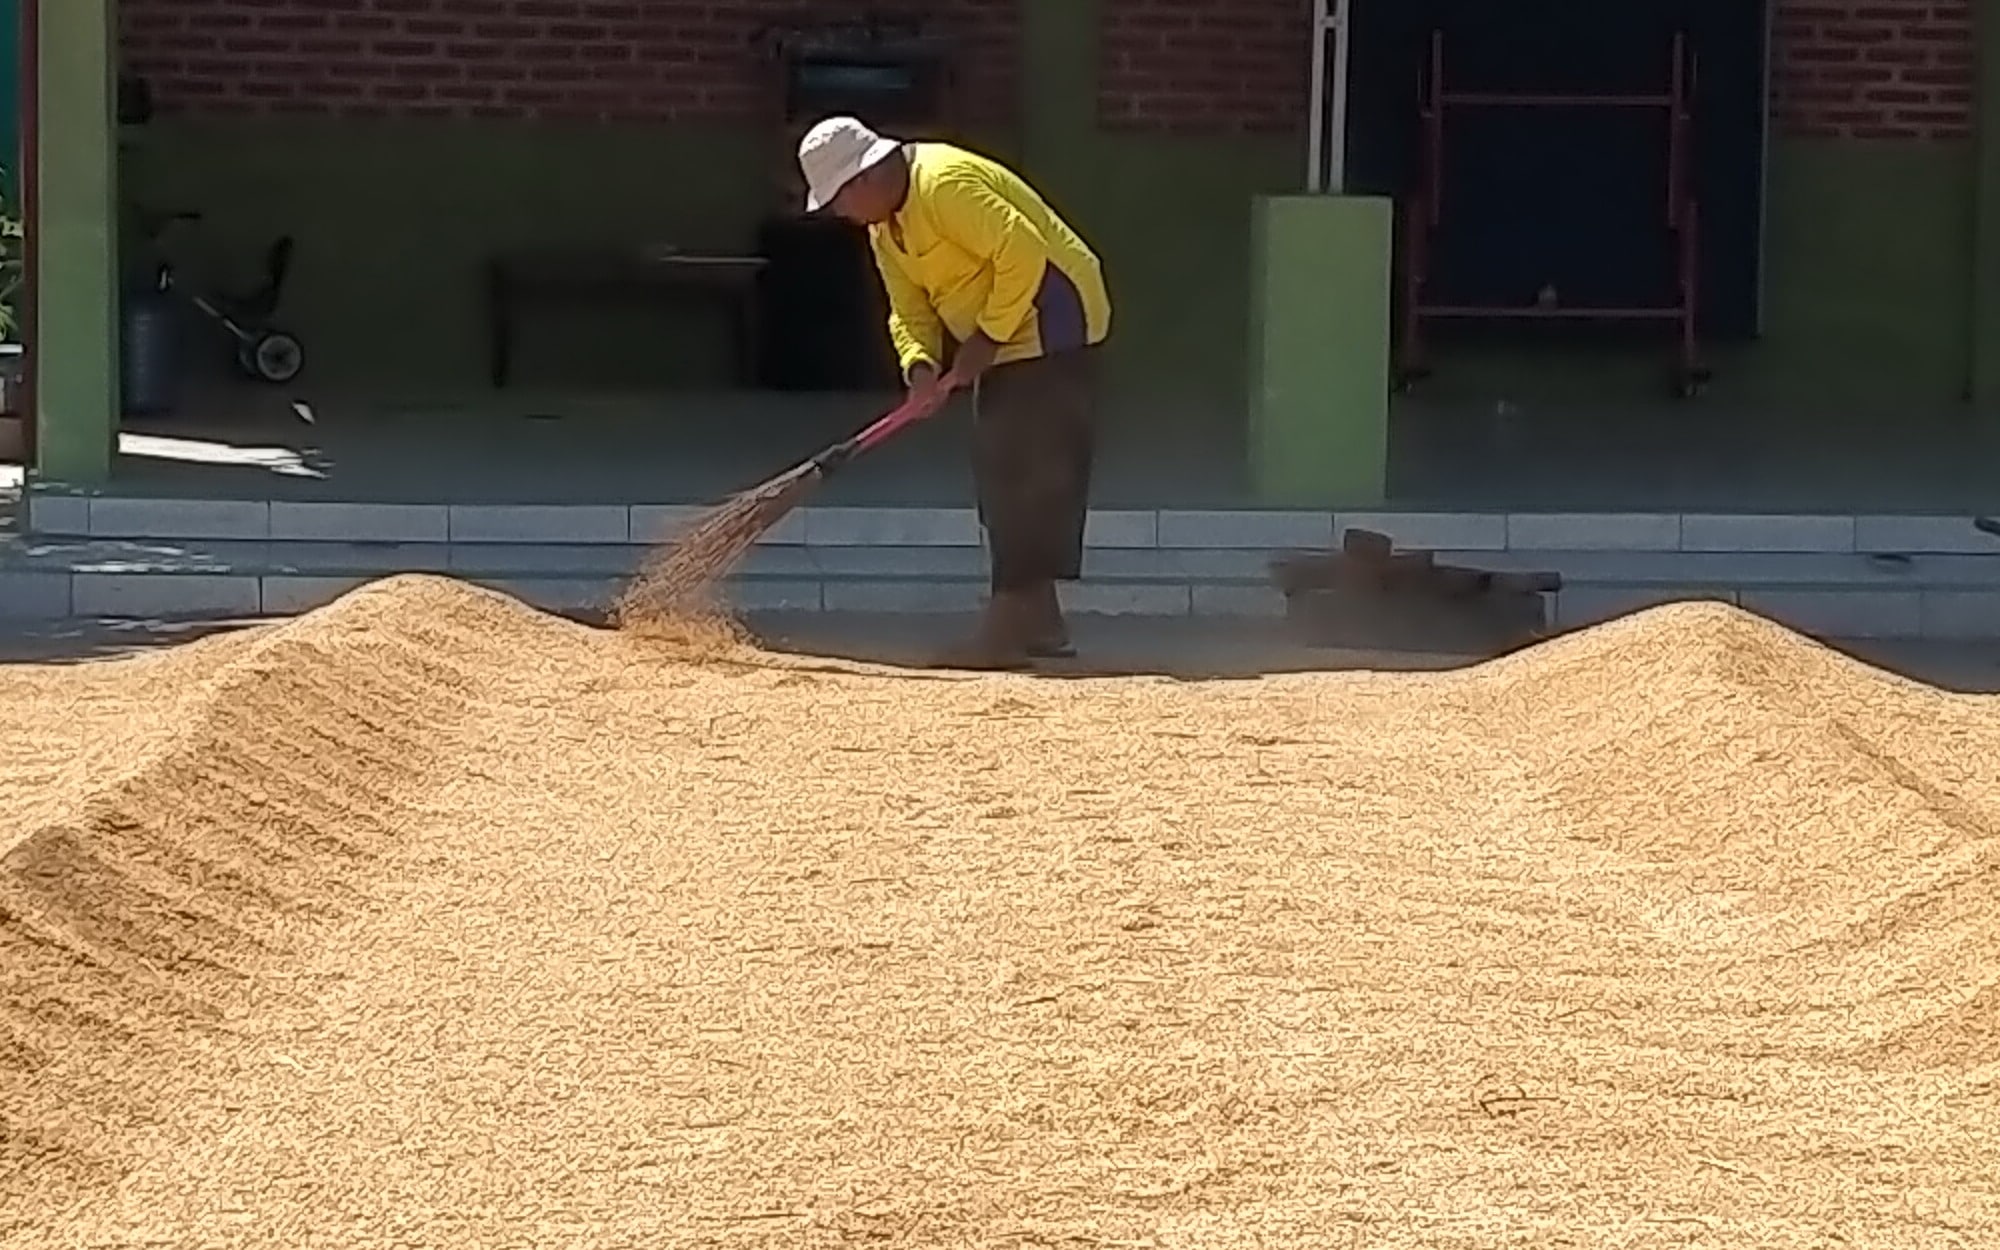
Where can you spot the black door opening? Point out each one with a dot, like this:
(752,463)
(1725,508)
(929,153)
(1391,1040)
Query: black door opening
(1555,177)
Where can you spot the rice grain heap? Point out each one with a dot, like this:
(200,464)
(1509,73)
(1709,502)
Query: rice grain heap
(429,920)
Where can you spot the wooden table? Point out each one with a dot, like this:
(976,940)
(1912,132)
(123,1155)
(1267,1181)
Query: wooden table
(621,275)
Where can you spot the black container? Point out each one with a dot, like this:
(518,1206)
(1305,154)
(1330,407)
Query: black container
(151,364)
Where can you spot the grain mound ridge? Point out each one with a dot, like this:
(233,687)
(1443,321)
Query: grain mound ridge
(1850,811)
(1677,932)
(262,772)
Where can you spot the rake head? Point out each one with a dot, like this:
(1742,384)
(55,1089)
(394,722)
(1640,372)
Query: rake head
(680,579)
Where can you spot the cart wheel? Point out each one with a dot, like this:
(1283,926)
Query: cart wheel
(273,357)
(1691,385)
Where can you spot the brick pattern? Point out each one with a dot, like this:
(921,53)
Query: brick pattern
(1230,66)
(641,60)
(1877,69)
(1874,69)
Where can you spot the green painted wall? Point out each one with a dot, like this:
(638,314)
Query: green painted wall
(395,219)
(1869,249)
(1869,253)
(1985,337)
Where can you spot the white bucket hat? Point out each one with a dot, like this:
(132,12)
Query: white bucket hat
(834,152)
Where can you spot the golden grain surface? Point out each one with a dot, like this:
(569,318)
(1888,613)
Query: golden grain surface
(426,920)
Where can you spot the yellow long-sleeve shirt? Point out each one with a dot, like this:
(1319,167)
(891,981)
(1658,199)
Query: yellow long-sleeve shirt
(975,248)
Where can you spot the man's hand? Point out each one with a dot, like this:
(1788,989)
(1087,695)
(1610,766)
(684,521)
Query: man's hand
(927,387)
(973,359)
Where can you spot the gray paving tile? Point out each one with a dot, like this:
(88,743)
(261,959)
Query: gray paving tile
(774,594)
(779,561)
(540,523)
(1241,601)
(57,514)
(1225,565)
(1121,528)
(1431,531)
(557,560)
(1246,528)
(892,527)
(1961,615)
(557,594)
(360,557)
(1587,531)
(287,594)
(1134,564)
(1580,606)
(113,517)
(1713,568)
(165,594)
(1750,533)
(871,595)
(1127,599)
(1842,613)
(658,523)
(1957,572)
(360,522)
(966,563)
(34,596)
(134,556)
(1947,535)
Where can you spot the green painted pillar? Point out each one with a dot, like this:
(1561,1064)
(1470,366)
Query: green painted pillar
(1319,350)
(76,295)
(1986,224)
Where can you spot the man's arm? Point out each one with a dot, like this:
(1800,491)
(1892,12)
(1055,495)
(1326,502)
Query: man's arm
(979,219)
(913,323)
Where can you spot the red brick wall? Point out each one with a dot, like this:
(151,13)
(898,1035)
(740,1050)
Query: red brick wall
(1204,65)
(1889,69)
(1861,68)
(610,59)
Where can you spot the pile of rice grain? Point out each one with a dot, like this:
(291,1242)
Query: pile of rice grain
(429,920)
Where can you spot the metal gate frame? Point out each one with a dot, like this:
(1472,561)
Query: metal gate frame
(1326,123)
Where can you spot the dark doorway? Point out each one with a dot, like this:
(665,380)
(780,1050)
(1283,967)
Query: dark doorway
(1539,200)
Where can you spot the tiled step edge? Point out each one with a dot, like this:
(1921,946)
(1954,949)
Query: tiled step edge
(1231,566)
(53,511)
(146,595)
(1832,612)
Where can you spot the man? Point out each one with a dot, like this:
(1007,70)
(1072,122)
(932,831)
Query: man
(969,252)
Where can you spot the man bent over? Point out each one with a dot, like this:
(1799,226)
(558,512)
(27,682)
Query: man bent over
(971,253)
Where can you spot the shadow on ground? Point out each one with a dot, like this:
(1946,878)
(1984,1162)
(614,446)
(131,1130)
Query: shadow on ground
(1187,649)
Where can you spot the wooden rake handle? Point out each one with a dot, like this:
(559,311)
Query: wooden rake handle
(912,410)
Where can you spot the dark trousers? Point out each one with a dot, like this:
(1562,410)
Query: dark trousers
(1034,430)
